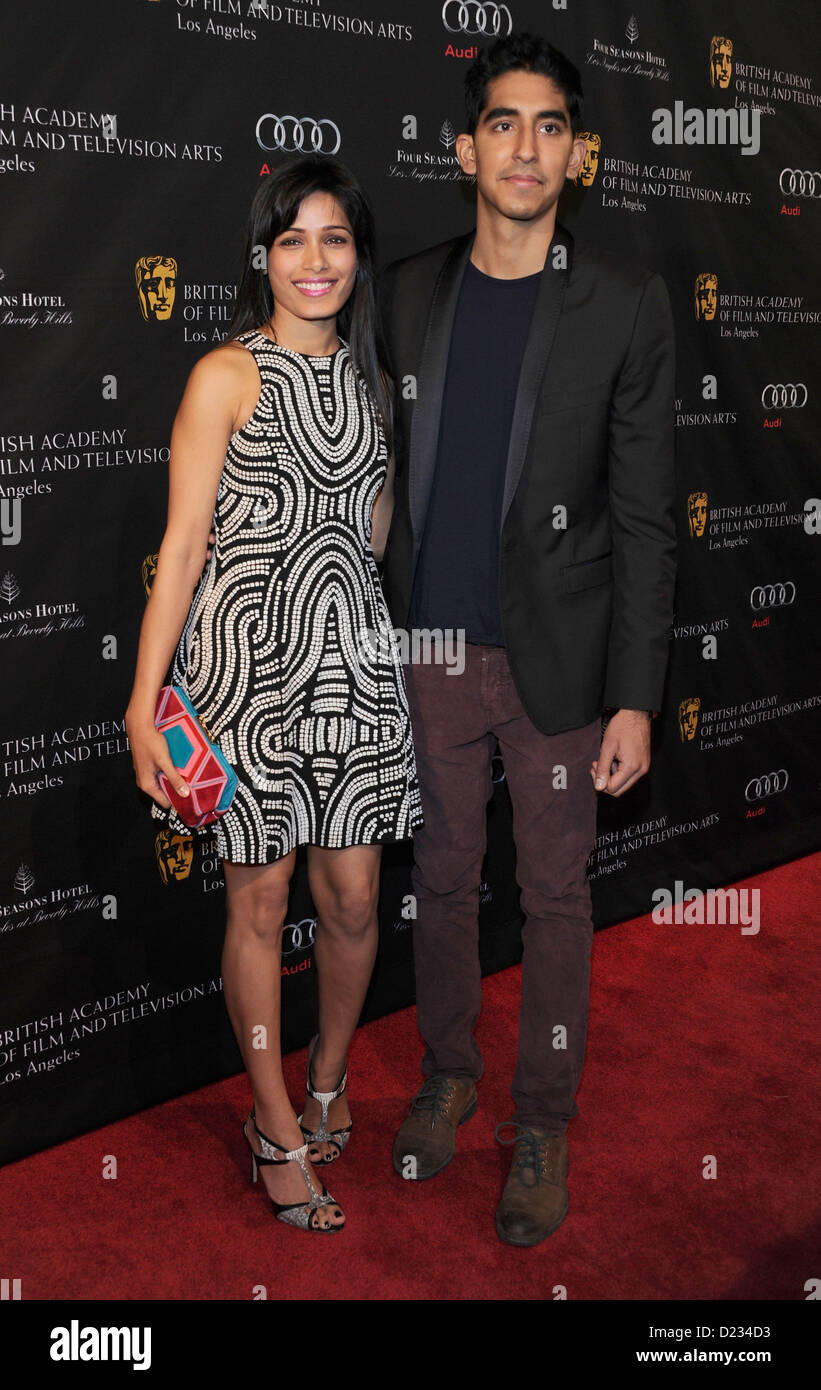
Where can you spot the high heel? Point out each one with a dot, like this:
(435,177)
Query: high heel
(339,1137)
(302,1214)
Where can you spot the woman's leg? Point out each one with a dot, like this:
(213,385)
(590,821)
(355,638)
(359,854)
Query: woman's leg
(257,898)
(344,886)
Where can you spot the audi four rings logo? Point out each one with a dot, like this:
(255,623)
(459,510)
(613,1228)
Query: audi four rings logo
(768,785)
(471,17)
(789,397)
(772,595)
(800,183)
(298,936)
(292,133)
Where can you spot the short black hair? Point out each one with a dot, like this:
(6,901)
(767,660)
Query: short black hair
(522,53)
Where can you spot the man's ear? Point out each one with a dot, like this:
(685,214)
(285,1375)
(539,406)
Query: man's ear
(466,154)
(576,159)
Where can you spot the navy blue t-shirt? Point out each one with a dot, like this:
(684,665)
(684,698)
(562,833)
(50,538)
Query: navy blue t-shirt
(457,576)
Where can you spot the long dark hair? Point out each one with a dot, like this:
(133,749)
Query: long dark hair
(275,208)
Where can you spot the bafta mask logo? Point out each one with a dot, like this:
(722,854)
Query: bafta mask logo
(590,163)
(721,61)
(688,719)
(156,278)
(697,513)
(149,569)
(706,295)
(175,854)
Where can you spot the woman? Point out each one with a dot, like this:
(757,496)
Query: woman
(280,444)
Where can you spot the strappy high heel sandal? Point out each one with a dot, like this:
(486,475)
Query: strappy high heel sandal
(338,1137)
(302,1214)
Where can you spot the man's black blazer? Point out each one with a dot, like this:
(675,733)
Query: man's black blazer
(588,542)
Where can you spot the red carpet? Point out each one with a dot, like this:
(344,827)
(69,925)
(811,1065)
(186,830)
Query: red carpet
(699,1044)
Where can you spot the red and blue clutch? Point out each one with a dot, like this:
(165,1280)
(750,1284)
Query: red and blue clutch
(210,778)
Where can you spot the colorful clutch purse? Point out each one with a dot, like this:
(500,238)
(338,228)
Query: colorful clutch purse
(209,776)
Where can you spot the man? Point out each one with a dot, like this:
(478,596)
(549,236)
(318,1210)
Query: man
(534,510)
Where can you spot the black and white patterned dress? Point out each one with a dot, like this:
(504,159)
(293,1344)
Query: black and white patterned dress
(287,652)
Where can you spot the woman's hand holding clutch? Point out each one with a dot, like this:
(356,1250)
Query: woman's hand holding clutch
(150,755)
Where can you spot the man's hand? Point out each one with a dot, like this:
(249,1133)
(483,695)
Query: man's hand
(624,755)
(212,540)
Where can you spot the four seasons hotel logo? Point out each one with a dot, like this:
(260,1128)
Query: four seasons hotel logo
(156,278)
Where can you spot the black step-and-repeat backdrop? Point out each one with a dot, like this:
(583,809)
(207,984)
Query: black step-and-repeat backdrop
(132,138)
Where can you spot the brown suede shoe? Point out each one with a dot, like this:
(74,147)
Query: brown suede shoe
(428,1135)
(534,1201)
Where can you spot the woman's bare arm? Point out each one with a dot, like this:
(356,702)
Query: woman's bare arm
(199,439)
(381,513)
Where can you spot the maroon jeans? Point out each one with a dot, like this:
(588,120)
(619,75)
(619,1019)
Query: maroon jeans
(454,720)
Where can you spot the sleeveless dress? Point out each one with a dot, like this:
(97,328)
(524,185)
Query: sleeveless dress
(288,653)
